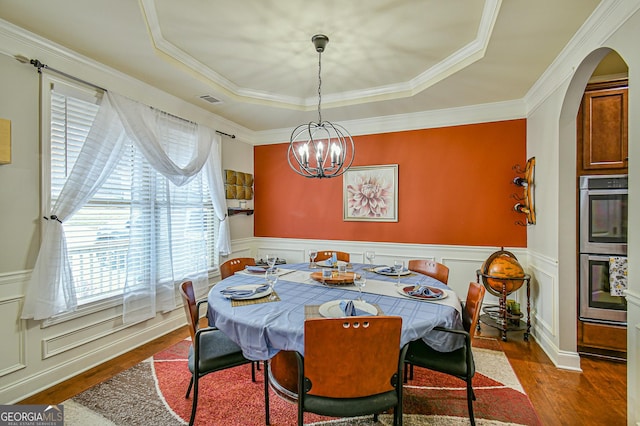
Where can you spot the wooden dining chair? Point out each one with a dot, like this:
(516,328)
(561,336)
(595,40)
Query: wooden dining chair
(351,367)
(431,268)
(232,266)
(229,268)
(211,350)
(326,254)
(458,363)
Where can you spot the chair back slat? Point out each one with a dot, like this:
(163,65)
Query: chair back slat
(232,266)
(326,254)
(430,268)
(351,357)
(190,307)
(472,305)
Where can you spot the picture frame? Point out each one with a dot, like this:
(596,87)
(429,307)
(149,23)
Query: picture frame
(370,193)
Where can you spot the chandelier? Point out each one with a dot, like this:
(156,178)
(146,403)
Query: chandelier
(322,149)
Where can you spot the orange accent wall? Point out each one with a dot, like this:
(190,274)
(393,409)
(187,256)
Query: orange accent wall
(454,188)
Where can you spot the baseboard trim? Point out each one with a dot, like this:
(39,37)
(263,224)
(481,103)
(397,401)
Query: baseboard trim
(564,360)
(44,379)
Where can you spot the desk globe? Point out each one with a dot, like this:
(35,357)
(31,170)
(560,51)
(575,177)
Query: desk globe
(501,275)
(502,268)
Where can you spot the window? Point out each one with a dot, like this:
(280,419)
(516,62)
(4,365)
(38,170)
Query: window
(136,218)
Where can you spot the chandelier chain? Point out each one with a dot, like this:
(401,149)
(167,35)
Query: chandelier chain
(319,86)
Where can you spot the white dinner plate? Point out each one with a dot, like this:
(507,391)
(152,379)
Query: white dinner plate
(332,309)
(249,287)
(381,270)
(439,293)
(326,264)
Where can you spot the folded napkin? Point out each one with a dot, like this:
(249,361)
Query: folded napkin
(350,310)
(388,270)
(255,268)
(423,290)
(244,292)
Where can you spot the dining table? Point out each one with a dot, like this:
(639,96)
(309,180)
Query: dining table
(271,326)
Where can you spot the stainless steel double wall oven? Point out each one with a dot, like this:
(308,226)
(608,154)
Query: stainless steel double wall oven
(603,235)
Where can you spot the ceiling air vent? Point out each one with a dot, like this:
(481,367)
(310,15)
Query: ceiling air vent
(210,99)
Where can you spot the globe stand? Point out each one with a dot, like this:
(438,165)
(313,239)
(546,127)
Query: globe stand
(498,316)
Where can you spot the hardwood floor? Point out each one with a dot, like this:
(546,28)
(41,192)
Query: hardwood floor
(69,388)
(597,396)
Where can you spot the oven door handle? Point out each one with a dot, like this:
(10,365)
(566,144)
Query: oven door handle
(607,192)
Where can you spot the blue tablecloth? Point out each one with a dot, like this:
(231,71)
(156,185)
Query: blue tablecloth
(264,329)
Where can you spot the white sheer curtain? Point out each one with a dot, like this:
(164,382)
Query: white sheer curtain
(216,187)
(51,291)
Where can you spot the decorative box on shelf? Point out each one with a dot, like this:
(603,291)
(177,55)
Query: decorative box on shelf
(236,210)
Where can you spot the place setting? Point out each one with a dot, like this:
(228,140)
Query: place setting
(249,294)
(398,267)
(331,262)
(422,292)
(343,308)
(261,267)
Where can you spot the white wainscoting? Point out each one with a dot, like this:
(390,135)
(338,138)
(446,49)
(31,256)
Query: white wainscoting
(35,356)
(633,353)
(545,310)
(463,261)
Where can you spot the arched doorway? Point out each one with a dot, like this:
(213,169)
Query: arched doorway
(599,62)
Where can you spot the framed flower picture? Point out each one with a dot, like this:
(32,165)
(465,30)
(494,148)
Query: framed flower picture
(371,193)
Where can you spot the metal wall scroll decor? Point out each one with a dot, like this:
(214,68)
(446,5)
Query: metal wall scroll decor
(526,201)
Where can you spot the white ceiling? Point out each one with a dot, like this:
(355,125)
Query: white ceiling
(383,58)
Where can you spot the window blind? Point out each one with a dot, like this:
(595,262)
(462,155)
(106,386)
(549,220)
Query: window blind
(103,250)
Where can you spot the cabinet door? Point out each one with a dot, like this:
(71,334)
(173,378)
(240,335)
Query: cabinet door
(604,130)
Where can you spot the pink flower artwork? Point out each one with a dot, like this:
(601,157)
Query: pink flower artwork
(369,196)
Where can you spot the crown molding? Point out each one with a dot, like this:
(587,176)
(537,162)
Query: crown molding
(498,111)
(605,20)
(460,59)
(18,41)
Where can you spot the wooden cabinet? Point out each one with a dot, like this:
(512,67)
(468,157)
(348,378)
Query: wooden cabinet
(602,148)
(602,340)
(602,129)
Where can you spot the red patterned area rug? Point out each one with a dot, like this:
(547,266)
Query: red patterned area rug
(152,392)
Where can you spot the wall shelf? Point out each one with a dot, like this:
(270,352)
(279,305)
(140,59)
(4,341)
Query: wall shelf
(231,211)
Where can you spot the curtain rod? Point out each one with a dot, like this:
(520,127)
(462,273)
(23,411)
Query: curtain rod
(39,65)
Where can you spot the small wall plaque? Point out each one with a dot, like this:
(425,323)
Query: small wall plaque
(238,185)
(5,141)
